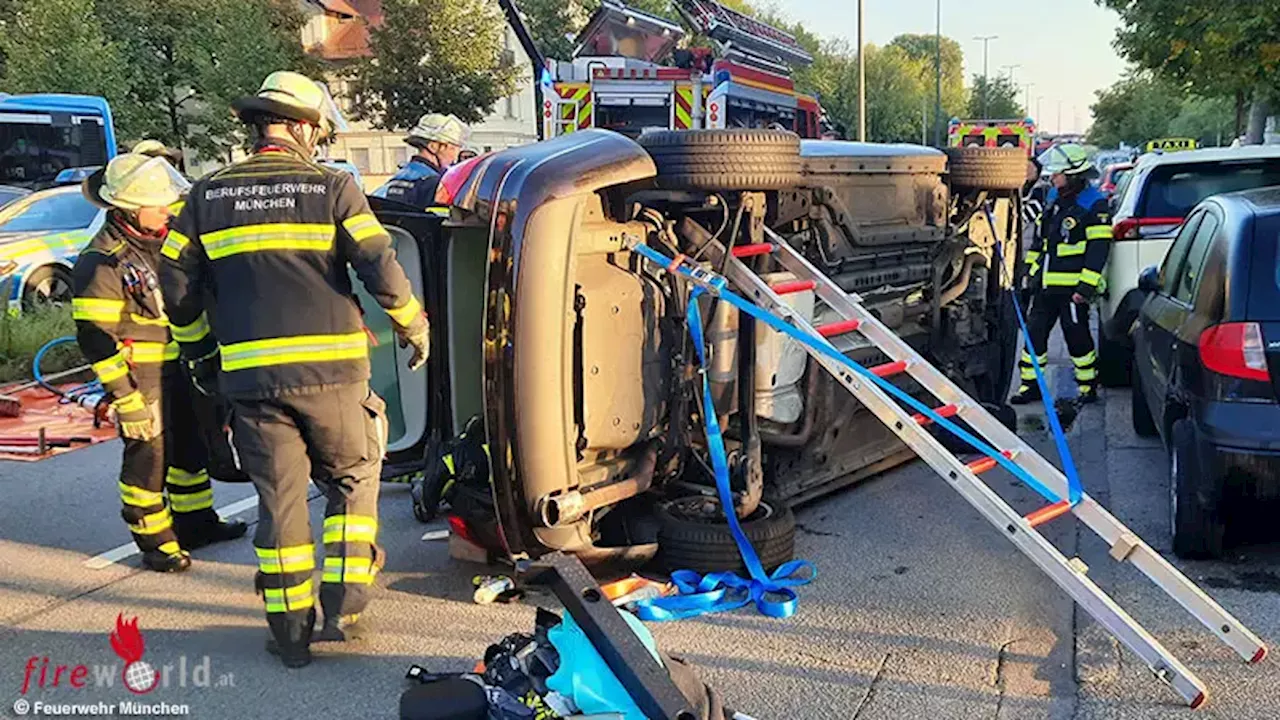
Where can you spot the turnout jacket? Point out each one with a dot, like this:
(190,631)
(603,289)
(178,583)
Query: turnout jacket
(121,325)
(415,184)
(256,267)
(1068,254)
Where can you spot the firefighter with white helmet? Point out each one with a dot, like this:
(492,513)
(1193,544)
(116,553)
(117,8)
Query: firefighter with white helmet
(439,139)
(283,339)
(121,328)
(1065,268)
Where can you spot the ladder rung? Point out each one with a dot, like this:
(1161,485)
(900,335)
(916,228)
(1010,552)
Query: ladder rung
(1048,512)
(793,286)
(984,464)
(889,369)
(945,411)
(838,327)
(745,251)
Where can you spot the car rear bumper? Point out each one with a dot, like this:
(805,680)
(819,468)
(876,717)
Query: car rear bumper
(1241,443)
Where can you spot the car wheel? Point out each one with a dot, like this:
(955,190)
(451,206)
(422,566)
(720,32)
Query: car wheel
(984,168)
(693,535)
(724,160)
(1198,530)
(1143,424)
(1115,362)
(47,286)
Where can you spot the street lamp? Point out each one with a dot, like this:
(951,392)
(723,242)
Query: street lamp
(986,90)
(862,76)
(1026,106)
(1010,69)
(937,71)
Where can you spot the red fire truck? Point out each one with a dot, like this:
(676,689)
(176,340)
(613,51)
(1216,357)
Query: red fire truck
(628,74)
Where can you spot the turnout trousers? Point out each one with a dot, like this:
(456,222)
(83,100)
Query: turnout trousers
(173,462)
(1047,309)
(336,437)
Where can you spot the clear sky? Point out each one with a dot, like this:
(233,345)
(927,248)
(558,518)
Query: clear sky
(1063,46)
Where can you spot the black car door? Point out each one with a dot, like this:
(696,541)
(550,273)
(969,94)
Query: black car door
(1165,313)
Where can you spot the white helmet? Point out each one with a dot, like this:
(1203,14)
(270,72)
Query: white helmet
(434,127)
(132,181)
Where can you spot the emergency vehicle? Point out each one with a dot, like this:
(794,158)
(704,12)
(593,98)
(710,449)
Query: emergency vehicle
(628,75)
(992,133)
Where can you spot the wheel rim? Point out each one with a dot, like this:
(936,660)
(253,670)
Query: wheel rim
(699,509)
(52,291)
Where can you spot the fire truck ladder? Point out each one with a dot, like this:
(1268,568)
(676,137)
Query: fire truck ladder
(872,388)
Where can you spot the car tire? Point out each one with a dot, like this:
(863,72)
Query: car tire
(724,160)
(1198,530)
(983,168)
(1144,425)
(48,285)
(705,545)
(1115,362)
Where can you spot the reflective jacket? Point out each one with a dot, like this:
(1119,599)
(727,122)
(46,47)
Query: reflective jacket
(1069,252)
(121,325)
(268,240)
(415,184)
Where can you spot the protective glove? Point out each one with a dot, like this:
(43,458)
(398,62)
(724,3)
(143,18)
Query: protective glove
(134,418)
(204,374)
(417,334)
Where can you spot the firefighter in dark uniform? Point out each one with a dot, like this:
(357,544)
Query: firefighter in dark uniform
(1065,267)
(274,235)
(122,329)
(439,140)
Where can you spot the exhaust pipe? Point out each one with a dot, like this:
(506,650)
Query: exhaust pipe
(567,508)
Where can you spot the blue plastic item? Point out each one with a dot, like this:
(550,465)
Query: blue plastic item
(585,678)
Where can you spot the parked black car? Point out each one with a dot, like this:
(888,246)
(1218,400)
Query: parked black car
(1207,363)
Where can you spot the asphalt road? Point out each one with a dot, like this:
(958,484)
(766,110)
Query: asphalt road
(921,609)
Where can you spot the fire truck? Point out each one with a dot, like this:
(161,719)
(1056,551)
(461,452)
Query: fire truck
(628,74)
(992,133)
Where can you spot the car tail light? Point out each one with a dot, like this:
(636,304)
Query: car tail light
(1235,350)
(1130,228)
(453,178)
(458,527)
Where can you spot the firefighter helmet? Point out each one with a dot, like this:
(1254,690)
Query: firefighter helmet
(292,96)
(133,181)
(443,129)
(1065,159)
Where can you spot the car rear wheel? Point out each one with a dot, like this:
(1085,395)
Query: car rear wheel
(693,535)
(984,168)
(1198,529)
(1143,424)
(724,160)
(1115,362)
(47,286)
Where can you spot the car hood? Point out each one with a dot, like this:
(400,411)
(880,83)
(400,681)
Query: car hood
(27,248)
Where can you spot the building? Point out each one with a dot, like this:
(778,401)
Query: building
(338,30)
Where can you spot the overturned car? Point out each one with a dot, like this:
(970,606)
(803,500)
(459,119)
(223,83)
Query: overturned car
(565,357)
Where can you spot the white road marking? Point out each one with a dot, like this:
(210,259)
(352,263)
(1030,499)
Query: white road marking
(128,550)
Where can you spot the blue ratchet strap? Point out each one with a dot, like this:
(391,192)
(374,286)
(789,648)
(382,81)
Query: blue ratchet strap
(1074,490)
(722,591)
(821,345)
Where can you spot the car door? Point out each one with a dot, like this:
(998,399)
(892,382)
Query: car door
(1165,313)
(1147,342)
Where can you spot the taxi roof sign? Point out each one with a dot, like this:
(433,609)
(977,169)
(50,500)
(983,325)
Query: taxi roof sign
(1171,144)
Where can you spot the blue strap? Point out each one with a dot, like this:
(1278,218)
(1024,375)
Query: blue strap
(721,591)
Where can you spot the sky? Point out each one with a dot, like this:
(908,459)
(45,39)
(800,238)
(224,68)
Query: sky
(1063,47)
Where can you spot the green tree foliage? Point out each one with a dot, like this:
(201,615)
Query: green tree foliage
(1142,107)
(921,48)
(995,98)
(438,55)
(899,100)
(59,45)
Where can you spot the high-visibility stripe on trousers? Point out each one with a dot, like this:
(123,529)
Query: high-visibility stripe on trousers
(188,491)
(1049,309)
(284,575)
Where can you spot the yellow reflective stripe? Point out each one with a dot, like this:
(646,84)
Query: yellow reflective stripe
(299,349)
(176,208)
(1090,277)
(133,402)
(1098,232)
(150,353)
(174,244)
(111,369)
(406,313)
(298,597)
(350,528)
(1069,249)
(170,548)
(157,322)
(191,502)
(97,309)
(438,211)
(1084,388)
(194,332)
(1032,256)
(359,571)
(1026,372)
(268,236)
(448,462)
(140,497)
(181,478)
(1085,374)
(363,226)
(156,522)
(1043,359)
(1061,279)
(1086,360)
(295,558)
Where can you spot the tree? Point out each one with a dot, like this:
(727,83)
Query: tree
(59,45)
(898,101)
(994,98)
(1141,107)
(432,55)
(922,49)
(1214,49)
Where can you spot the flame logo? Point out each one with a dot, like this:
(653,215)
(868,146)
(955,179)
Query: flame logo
(127,640)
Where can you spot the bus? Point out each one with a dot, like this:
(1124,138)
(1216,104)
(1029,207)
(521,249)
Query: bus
(44,134)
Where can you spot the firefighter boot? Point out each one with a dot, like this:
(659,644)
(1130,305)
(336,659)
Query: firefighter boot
(340,628)
(1026,394)
(204,532)
(166,562)
(290,638)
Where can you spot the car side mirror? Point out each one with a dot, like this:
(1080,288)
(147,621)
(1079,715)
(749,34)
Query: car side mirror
(1149,279)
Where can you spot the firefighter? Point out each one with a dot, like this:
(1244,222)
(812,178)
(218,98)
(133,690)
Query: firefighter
(439,140)
(281,337)
(121,328)
(1065,267)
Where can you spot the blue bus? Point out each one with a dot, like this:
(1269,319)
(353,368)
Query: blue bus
(42,135)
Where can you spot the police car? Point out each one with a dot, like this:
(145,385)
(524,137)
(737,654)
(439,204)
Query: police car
(40,237)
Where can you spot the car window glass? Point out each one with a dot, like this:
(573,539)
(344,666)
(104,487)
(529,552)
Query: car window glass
(1172,190)
(1177,252)
(48,213)
(1189,275)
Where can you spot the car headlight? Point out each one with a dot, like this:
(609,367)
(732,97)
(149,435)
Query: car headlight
(6,267)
